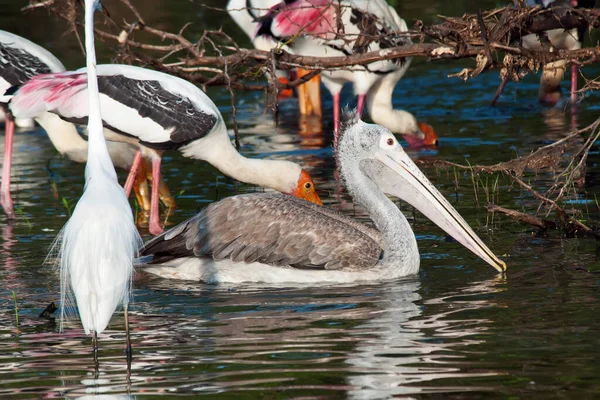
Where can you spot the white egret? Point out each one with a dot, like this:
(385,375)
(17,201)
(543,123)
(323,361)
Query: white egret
(100,239)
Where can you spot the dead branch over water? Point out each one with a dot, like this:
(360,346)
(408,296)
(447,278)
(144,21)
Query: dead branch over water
(491,38)
(565,159)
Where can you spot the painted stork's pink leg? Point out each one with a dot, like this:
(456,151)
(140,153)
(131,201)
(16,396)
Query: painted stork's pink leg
(336,118)
(574,73)
(361,104)
(133,172)
(5,198)
(155,227)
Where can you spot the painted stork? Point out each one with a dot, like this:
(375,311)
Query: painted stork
(99,242)
(276,239)
(553,73)
(246,14)
(325,28)
(20,60)
(157,112)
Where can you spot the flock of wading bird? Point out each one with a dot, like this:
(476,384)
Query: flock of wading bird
(134,115)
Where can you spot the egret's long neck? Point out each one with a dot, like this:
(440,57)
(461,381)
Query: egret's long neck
(217,149)
(98,157)
(401,253)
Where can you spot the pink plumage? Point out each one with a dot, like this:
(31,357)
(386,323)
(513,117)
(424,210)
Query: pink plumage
(48,92)
(341,28)
(312,17)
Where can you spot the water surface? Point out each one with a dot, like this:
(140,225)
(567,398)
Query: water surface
(455,330)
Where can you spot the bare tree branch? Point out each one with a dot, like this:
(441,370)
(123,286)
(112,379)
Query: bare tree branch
(488,36)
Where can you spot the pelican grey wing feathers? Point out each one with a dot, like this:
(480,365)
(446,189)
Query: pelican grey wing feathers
(272,229)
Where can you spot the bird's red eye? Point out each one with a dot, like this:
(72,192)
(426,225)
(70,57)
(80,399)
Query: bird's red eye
(390,142)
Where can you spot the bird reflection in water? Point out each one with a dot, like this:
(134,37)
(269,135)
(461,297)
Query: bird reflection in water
(378,340)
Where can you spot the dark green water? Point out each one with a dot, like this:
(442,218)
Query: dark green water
(455,330)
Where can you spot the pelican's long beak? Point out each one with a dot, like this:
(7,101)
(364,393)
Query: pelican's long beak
(414,187)
(309,94)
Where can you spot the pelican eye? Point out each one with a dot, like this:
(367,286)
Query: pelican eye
(307,185)
(390,142)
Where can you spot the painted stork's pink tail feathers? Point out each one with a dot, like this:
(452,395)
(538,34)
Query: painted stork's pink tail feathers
(46,93)
(310,17)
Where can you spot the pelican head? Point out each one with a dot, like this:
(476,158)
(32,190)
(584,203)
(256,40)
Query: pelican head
(371,153)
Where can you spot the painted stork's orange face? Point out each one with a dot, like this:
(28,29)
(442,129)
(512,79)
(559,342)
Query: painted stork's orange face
(306,189)
(431,139)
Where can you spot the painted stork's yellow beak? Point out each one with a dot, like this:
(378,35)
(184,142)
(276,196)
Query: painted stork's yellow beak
(397,175)
(306,189)
(309,95)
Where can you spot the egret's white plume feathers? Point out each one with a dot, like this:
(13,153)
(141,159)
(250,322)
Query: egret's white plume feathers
(100,240)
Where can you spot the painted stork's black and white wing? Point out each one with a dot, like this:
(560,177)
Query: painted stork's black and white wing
(160,110)
(21,59)
(173,109)
(271,229)
(570,39)
(325,28)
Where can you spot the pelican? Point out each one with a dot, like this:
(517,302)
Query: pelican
(277,239)
(22,59)
(325,28)
(156,111)
(99,242)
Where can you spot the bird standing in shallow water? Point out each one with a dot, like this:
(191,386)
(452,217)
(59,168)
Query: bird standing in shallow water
(247,14)
(553,73)
(157,111)
(100,240)
(325,28)
(20,60)
(278,239)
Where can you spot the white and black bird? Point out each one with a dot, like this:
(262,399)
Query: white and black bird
(561,39)
(247,15)
(277,239)
(323,28)
(157,112)
(21,60)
